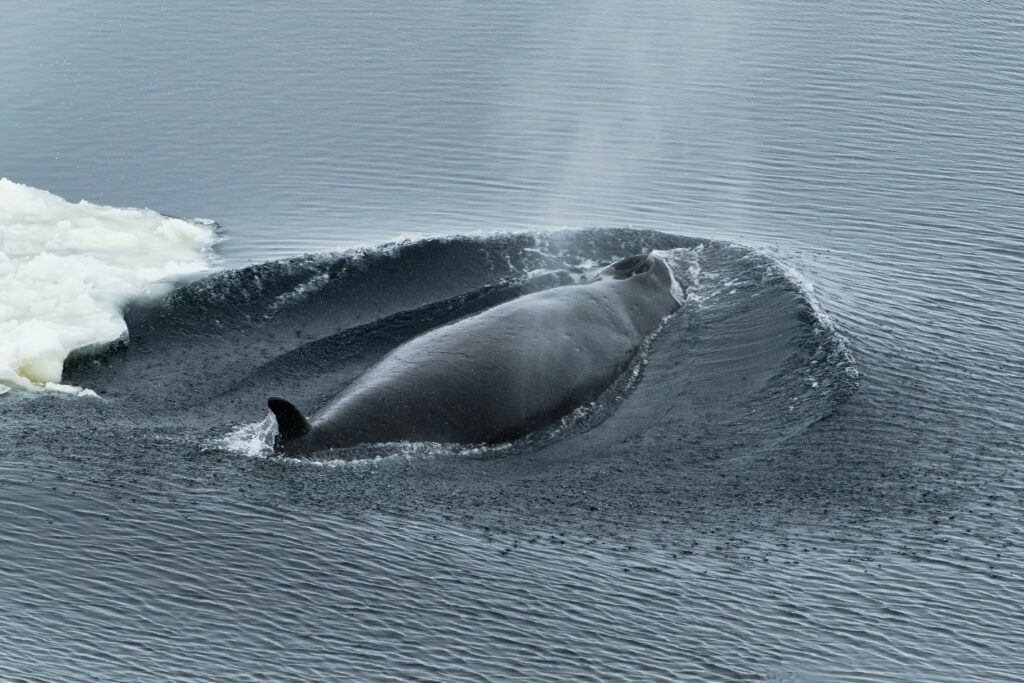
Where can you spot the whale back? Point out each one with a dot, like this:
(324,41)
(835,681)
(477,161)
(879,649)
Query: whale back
(499,374)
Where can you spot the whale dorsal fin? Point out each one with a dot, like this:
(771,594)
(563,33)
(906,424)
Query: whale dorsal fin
(290,423)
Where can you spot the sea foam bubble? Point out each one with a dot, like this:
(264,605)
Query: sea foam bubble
(67,270)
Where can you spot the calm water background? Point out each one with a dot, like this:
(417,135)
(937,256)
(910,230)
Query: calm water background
(876,148)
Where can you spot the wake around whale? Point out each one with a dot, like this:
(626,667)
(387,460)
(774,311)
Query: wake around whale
(497,375)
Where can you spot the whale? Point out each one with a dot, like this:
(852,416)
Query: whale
(499,374)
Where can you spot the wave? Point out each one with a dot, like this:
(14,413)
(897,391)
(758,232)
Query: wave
(67,271)
(750,359)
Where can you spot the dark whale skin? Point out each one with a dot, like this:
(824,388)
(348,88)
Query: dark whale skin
(497,375)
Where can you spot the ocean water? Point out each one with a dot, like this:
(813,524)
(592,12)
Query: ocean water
(812,473)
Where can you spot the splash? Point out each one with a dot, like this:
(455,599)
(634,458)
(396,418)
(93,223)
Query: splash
(67,270)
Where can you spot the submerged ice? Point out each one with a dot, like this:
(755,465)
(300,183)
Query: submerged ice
(67,270)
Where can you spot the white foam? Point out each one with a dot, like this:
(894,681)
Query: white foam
(255,439)
(67,270)
(684,260)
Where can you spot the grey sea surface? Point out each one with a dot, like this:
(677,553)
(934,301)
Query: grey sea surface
(814,475)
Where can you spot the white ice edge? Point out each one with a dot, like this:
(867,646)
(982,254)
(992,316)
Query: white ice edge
(68,269)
